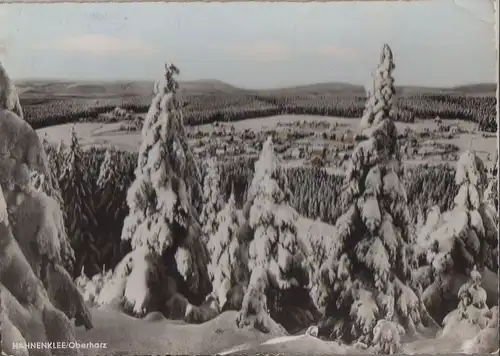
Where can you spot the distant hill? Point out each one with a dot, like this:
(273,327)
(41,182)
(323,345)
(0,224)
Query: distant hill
(32,89)
(477,88)
(204,85)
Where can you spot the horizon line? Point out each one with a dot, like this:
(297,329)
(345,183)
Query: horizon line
(124,80)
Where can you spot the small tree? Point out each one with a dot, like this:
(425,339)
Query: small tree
(228,255)
(276,254)
(212,200)
(367,274)
(80,212)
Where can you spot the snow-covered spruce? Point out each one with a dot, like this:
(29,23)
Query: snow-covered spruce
(167,251)
(380,104)
(366,276)
(108,170)
(166,102)
(228,255)
(455,241)
(277,258)
(80,218)
(29,219)
(111,185)
(110,182)
(268,164)
(212,200)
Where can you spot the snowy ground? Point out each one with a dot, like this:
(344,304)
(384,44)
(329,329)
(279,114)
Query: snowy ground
(105,135)
(94,134)
(125,335)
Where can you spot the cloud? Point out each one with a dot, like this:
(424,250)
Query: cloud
(333,51)
(260,51)
(100,45)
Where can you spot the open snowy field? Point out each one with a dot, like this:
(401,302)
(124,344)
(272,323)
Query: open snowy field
(112,134)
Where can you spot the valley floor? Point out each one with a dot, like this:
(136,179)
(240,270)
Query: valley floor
(92,134)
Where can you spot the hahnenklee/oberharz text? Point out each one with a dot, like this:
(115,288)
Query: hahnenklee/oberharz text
(59,345)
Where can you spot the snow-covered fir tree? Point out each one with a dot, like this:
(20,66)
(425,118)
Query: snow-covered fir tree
(277,258)
(79,213)
(366,276)
(212,200)
(228,255)
(455,241)
(162,224)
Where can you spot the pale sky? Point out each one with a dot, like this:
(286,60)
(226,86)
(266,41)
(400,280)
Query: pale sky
(252,45)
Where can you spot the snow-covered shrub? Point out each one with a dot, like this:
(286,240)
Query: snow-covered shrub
(387,337)
(457,240)
(91,288)
(228,255)
(212,200)
(276,254)
(366,276)
(162,224)
(472,309)
(486,340)
(312,331)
